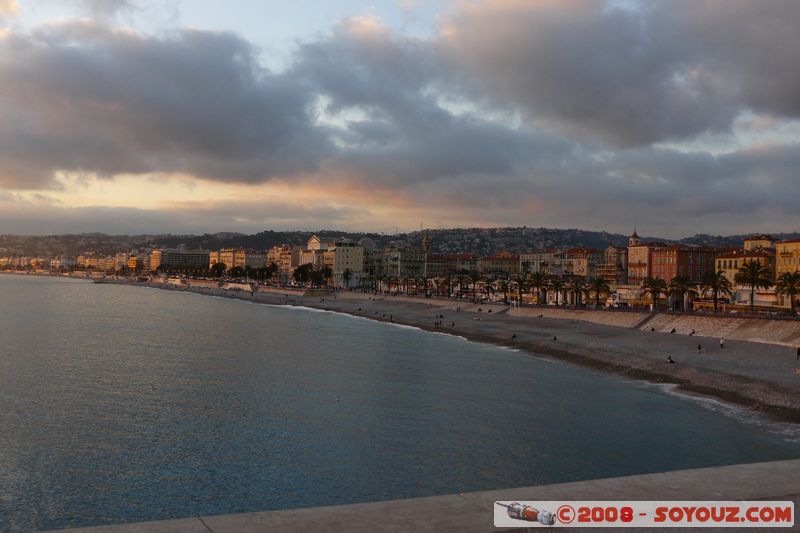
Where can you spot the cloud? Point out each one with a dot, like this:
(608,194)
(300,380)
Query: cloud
(628,76)
(43,217)
(107,8)
(82,97)
(535,113)
(8,8)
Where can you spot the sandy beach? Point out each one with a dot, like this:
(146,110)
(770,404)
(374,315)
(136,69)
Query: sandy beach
(761,376)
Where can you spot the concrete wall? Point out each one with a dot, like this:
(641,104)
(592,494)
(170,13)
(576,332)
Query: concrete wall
(784,332)
(474,511)
(624,319)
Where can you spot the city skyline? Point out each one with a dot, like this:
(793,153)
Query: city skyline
(130,117)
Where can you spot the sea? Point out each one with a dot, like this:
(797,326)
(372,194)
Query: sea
(125,404)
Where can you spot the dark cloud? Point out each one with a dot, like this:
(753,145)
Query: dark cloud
(44,218)
(629,76)
(81,97)
(552,113)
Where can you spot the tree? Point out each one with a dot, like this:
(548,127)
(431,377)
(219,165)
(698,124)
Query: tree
(502,286)
(346,277)
(575,285)
(654,287)
(521,281)
(599,287)
(679,286)
(302,274)
(556,284)
(789,285)
(327,274)
(717,283)
(475,277)
(755,276)
(538,281)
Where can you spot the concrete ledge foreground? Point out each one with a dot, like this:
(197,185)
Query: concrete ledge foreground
(473,512)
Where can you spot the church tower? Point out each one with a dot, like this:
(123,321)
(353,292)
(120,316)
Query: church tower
(633,240)
(426,243)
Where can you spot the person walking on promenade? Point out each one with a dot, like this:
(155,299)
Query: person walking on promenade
(798,353)
(699,348)
(721,343)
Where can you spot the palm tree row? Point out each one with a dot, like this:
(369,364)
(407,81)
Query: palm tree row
(577,290)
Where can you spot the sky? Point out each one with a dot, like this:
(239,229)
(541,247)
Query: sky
(189,116)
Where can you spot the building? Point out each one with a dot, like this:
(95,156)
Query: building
(286,257)
(345,256)
(730,262)
(502,265)
(787,257)
(546,261)
(179,259)
(755,242)
(238,258)
(134,264)
(639,259)
(692,262)
(614,268)
(316,243)
(581,261)
(398,260)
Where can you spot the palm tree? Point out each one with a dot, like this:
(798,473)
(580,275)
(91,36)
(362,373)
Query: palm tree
(717,283)
(789,284)
(475,277)
(327,274)
(346,276)
(521,281)
(557,285)
(755,276)
(679,286)
(502,286)
(654,287)
(599,287)
(538,281)
(575,285)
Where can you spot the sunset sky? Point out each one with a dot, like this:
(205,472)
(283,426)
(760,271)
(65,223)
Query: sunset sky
(150,116)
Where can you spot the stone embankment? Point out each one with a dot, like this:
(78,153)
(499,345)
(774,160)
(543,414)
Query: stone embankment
(763,330)
(473,512)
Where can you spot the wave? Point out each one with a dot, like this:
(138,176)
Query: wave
(788,431)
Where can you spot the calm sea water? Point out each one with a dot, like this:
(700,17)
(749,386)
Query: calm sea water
(122,404)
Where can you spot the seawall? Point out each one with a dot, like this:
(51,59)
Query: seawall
(473,512)
(762,330)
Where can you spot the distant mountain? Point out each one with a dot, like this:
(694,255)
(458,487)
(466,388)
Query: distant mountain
(483,241)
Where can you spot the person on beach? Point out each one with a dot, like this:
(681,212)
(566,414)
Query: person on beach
(669,360)
(514,336)
(692,333)
(555,338)
(673,330)
(721,343)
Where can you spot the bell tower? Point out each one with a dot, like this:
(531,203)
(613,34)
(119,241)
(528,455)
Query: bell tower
(633,240)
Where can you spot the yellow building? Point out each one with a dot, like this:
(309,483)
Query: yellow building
(787,255)
(731,262)
(759,241)
(345,255)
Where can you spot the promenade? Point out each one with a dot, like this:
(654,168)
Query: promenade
(473,512)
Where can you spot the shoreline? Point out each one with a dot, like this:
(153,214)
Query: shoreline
(765,396)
